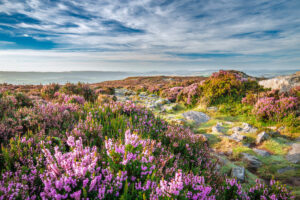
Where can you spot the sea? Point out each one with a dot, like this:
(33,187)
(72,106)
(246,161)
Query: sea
(37,78)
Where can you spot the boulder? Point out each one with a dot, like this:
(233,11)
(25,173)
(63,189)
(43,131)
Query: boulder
(294,154)
(196,117)
(252,162)
(237,137)
(218,128)
(261,152)
(238,173)
(262,137)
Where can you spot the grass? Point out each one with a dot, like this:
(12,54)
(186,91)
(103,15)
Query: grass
(276,146)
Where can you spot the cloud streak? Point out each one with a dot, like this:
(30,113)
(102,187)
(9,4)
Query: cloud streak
(183,33)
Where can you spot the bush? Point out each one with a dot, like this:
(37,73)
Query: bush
(270,108)
(79,89)
(48,91)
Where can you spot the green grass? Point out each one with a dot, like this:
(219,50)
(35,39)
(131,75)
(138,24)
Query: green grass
(276,146)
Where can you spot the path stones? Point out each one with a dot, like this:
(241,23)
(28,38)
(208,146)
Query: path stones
(247,128)
(213,108)
(238,173)
(261,137)
(294,154)
(252,162)
(237,137)
(195,116)
(262,153)
(218,128)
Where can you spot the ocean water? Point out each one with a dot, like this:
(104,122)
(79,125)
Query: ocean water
(37,78)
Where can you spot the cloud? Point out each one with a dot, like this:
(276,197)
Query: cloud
(188,32)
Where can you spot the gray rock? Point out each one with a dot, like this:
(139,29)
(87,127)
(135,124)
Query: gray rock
(238,173)
(294,154)
(218,128)
(252,162)
(160,102)
(262,137)
(152,95)
(285,169)
(282,83)
(197,117)
(170,107)
(261,152)
(143,94)
(213,108)
(236,129)
(247,128)
(237,137)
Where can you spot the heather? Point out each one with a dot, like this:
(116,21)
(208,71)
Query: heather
(68,144)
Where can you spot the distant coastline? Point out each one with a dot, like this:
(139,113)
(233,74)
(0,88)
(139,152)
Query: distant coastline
(37,78)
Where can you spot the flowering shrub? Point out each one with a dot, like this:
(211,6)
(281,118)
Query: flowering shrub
(48,91)
(224,86)
(269,108)
(79,89)
(69,99)
(273,191)
(61,149)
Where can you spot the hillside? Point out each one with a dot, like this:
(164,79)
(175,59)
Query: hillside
(222,137)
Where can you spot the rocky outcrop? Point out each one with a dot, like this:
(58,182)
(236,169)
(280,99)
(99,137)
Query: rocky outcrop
(196,117)
(294,154)
(282,83)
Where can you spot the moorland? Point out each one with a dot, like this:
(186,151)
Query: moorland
(227,136)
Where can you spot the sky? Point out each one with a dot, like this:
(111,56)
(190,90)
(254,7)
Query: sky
(148,35)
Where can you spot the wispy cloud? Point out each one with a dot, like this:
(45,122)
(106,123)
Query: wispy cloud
(187,32)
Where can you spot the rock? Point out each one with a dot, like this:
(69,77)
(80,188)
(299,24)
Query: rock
(247,128)
(262,137)
(171,107)
(261,152)
(282,83)
(285,169)
(229,123)
(197,117)
(143,94)
(237,137)
(152,95)
(160,102)
(236,129)
(238,173)
(252,162)
(213,108)
(218,128)
(294,154)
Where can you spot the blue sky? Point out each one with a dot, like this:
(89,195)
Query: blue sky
(145,35)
